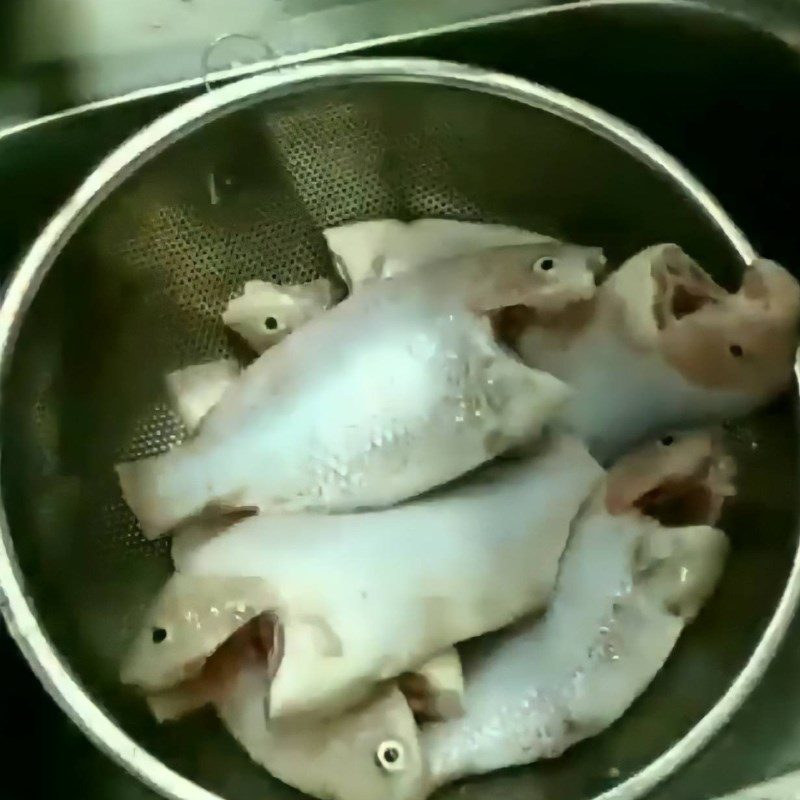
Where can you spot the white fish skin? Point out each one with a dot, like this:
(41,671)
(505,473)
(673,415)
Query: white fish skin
(341,758)
(407,372)
(626,588)
(415,579)
(382,248)
(266,312)
(193,391)
(653,349)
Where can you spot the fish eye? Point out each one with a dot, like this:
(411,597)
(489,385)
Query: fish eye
(159,635)
(544,264)
(666,441)
(270,323)
(390,756)
(736,350)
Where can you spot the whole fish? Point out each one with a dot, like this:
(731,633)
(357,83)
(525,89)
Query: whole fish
(627,587)
(394,391)
(661,345)
(381,248)
(362,598)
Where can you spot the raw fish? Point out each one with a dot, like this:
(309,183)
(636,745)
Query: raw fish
(627,587)
(661,345)
(381,248)
(265,312)
(362,598)
(394,391)
(194,390)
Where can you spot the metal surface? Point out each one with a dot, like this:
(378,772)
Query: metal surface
(65,54)
(713,106)
(785,788)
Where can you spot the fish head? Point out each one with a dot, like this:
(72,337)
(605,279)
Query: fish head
(742,342)
(191,618)
(545,276)
(682,478)
(382,757)
(371,751)
(679,568)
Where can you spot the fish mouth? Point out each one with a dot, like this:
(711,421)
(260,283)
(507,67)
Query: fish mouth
(696,499)
(682,287)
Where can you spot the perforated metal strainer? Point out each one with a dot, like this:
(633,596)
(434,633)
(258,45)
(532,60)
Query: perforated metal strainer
(128,281)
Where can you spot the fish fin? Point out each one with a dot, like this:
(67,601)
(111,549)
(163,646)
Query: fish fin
(139,487)
(195,390)
(175,704)
(435,690)
(167,490)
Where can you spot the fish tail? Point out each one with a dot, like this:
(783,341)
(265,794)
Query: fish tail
(163,491)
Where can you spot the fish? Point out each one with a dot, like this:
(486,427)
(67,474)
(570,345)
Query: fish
(661,345)
(193,391)
(267,312)
(642,558)
(392,392)
(415,579)
(432,690)
(381,248)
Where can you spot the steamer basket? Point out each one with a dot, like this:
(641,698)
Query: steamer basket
(128,281)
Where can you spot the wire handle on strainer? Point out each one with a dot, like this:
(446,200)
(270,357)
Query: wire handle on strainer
(205,60)
(214,44)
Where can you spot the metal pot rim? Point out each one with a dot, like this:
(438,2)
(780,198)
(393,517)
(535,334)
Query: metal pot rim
(18,609)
